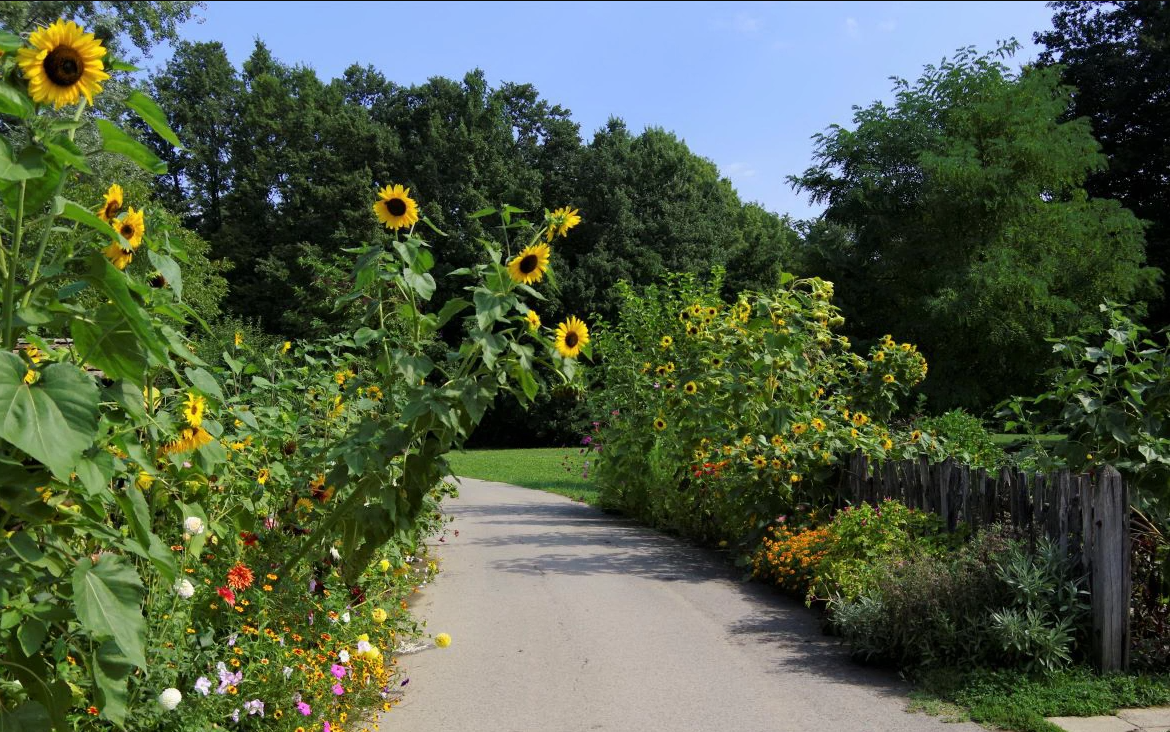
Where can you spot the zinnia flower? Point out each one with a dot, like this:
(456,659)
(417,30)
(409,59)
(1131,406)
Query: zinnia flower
(193,525)
(442,640)
(240,577)
(227,595)
(304,708)
(170,698)
(184,589)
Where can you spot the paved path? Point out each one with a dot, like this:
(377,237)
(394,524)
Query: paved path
(565,619)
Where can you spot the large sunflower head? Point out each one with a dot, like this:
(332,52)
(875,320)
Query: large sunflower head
(194,409)
(561,220)
(571,336)
(132,227)
(533,320)
(529,265)
(118,256)
(396,208)
(112,205)
(63,64)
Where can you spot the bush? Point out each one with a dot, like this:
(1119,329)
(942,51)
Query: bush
(964,437)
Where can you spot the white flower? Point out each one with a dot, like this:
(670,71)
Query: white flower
(343,656)
(345,617)
(363,647)
(185,589)
(193,525)
(335,554)
(170,698)
(287,671)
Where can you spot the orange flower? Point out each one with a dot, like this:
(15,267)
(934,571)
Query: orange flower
(239,577)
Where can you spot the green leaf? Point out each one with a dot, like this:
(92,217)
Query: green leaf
(108,596)
(146,543)
(105,276)
(422,284)
(35,676)
(29,163)
(129,397)
(25,547)
(28,717)
(365,335)
(52,420)
(482,212)
(205,383)
(31,635)
(489,308)
(10,42)
(14,102)
(107,342)
(117,64)
(116,141)
(84,216)
(111,670)
(450,309)
(37,191)
(152,115)
(66,152)
(169,269)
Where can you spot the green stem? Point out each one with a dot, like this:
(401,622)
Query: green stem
(36,268)
(326,526)
(10,282)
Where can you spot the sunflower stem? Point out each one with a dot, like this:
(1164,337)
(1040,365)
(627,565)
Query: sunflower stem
(10,281)
(36,268)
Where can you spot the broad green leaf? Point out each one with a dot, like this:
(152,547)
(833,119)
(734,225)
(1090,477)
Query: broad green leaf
(95,472)
(413,368)
(106,277)
(149,545)
(37,191)
(169,269)
(52,420)
(14,102)
(28,163)
(450,309)
(36,678)
(10,42)
(82,215)
(365,335)
(482,212)
(31,635)
(489,308)
(152,115)
(25,547)
(107,342)
(422,284)
(205,383)
(116,141)
(111,669)
(66,152)
(108,596)
(28,717)
(129,397)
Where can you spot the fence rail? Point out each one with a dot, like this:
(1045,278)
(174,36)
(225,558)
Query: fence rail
(1086,515)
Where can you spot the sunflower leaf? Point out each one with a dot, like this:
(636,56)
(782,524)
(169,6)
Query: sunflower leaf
(14,102)
(66,152)
(75,212)
(152,115)
(482,212)
(115,140)
(29,163)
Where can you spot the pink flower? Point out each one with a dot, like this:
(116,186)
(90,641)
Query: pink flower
(338,689)
(338,671)
(326,728)
(304,709)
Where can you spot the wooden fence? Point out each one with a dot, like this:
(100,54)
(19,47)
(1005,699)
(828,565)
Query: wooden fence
(1086,515)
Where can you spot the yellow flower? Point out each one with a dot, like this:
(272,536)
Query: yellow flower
(860,419)
(571,336)
(777,463)
(854,433)
(190,438)
(395,208)
(794,478)
(799,428)
(667,341)
(263,476)
(533,320)
(888,378)
(561,220)
(374,393)
(887,443)
(442,640)
(384,565)
(879,356)
(144,481)
(818,424)
(379,615)
(759,462)
(690,387)
(915,436)
(118,256)
(285,348)
(669,367)
(659,424)
(193,411)
(30,377)
(63,64)
(746,440)
(112,204)
(529,266)
(239,339)
(716,362)
(906,347)
(132,227)
(238,446)
(777,440)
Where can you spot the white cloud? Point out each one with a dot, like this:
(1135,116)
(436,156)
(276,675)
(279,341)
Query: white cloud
(887,26)
(739,170)
(852,28)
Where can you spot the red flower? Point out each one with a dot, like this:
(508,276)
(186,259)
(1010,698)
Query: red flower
(240,577)
(227,594)
(249,538)
(92,711)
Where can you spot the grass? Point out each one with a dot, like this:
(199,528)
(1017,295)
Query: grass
(555,469)
(1012,700)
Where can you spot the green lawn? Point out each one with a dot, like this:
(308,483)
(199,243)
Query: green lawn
(556,469)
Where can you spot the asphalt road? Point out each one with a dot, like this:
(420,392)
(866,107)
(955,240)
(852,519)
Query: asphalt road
(565,619)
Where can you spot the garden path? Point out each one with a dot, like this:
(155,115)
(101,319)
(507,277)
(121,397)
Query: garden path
(565,619)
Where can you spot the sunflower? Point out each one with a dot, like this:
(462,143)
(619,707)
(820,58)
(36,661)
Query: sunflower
(533,320)
(818,424)
(759,462)
(396,208)
(777,463)
(888,378)
(670,367)
(118,256)
(860,419)
(854,433)
(777,440)
(659,424)
(263,476)
(112,205)
(915,436)
(887,443)
(716,362)
(194,409)
(690,387)
(529,265)
(692,330)
(660,370)
(666,341)
(794,478)
(191,438)
(799,428)
(879,356)
(63,64)
(561,220)
(132,227)
(571,336)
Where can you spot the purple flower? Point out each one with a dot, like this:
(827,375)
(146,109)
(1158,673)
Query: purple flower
(254,708)
(227,678)
(596,424)
(203,685)
(587,440)
(614,413)
(304,709)
(337,670)
(326,727)
(338,689)
(236,716)
(405,682)
(232,639)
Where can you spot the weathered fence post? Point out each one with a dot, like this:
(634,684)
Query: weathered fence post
(1107,542)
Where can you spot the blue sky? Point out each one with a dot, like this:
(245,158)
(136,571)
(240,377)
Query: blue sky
(745,84)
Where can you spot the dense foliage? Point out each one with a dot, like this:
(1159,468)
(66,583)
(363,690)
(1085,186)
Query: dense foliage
(958,217)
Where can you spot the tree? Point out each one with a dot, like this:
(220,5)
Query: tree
(1117,55)
(958,219)
(146,24)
